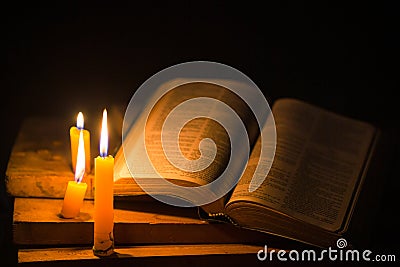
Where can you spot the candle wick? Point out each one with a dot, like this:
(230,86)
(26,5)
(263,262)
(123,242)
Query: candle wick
(79,176)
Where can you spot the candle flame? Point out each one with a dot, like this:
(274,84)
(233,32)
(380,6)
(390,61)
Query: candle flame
(80,159)
(104,136)
(79,121)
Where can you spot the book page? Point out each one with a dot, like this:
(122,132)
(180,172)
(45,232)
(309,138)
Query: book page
(318,161)
(191,138)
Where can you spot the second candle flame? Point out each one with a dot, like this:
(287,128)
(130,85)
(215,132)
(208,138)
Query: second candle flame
(104,136)
(79,121)
(80,159)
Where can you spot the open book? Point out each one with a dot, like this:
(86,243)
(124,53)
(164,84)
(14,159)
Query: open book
(310,192)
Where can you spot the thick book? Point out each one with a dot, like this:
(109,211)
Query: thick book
(311,190)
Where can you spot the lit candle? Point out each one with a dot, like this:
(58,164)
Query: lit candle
(76,190)
(103,197)
(74,133)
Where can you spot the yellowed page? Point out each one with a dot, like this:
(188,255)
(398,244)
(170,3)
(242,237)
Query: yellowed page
(189,139)
(318,160)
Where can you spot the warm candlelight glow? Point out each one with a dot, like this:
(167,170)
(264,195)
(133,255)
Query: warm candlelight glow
(80,160)
(79,121)
(104,136)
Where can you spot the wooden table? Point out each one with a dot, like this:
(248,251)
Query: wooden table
(146,231)
(141,237)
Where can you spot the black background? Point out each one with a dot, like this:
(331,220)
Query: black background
(344,57)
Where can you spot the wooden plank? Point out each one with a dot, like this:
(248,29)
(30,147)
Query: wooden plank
(40,161)
(37,222)
(39,164)
(146,255)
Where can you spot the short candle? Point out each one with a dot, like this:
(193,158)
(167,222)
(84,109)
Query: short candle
(76,190)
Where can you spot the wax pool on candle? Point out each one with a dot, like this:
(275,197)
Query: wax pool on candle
(74,133)
(76,190)
(104,197)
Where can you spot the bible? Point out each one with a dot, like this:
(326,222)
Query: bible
(315,177)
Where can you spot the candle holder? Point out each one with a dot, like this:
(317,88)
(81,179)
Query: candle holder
(103,244)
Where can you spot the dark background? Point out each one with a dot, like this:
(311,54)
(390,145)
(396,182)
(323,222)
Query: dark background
(62,59)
